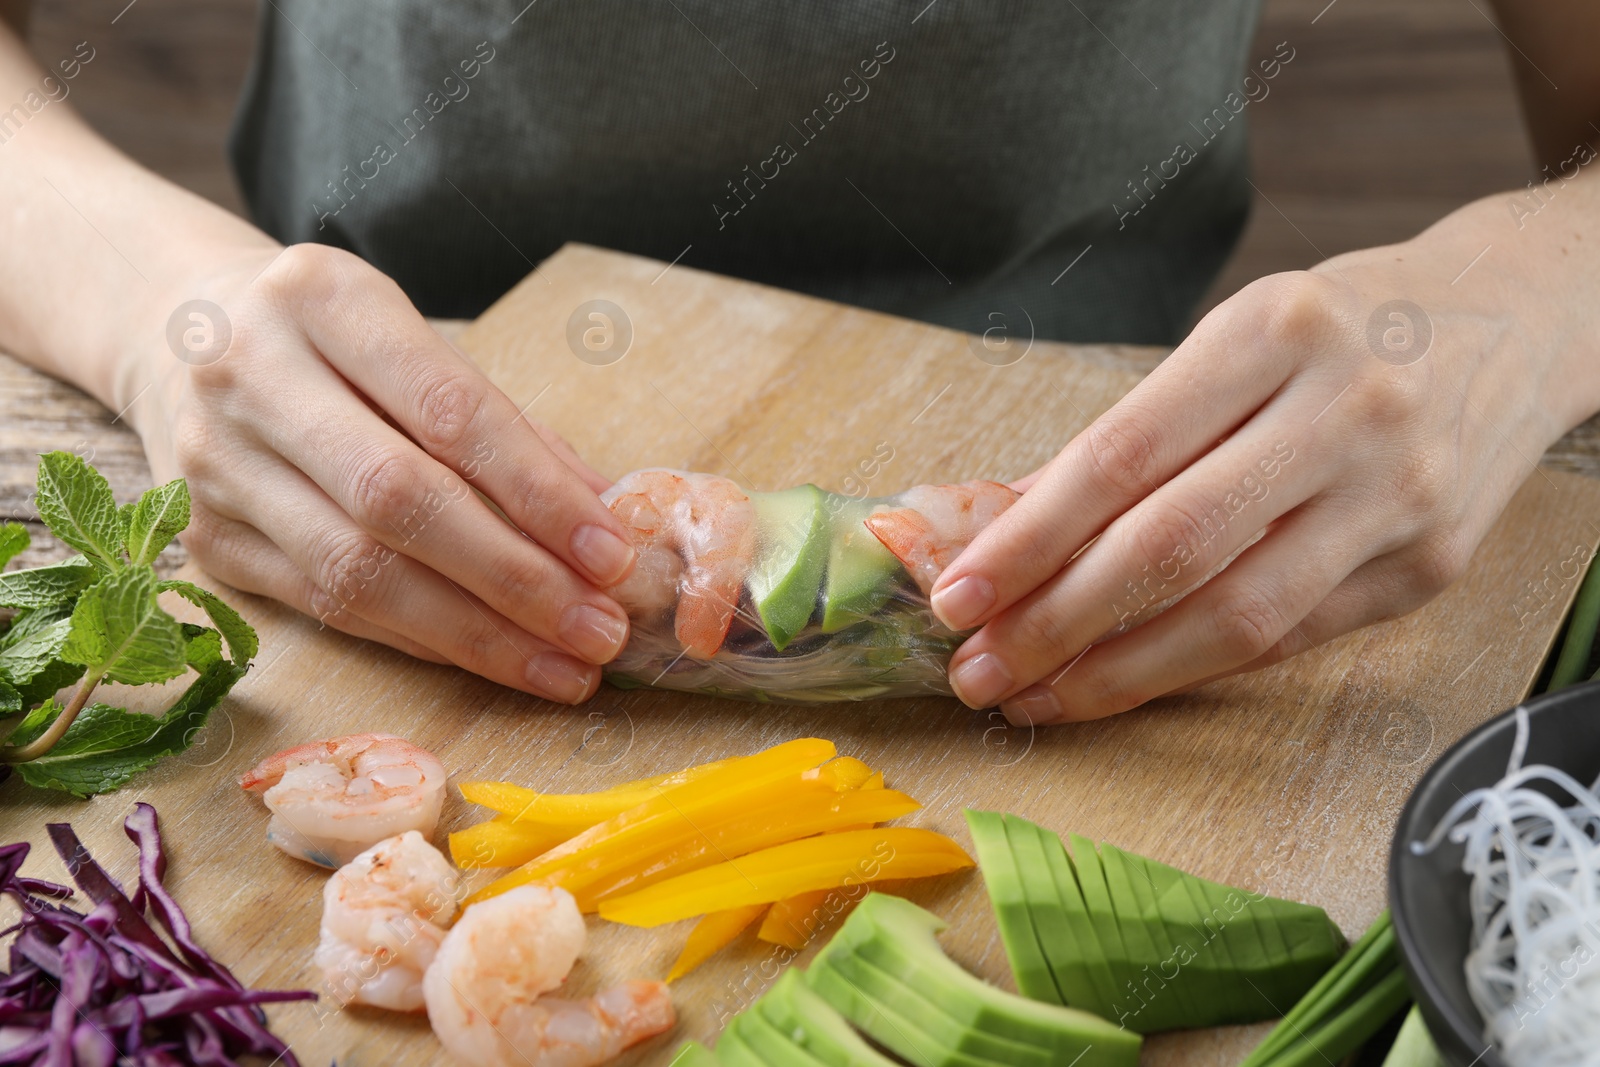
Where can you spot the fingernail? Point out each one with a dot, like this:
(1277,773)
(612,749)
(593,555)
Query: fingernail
(981,680)
(603,554)
(593,634)
(1032,707)
(960,603)
(560,677)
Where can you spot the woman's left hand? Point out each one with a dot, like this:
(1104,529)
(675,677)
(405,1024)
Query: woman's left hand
(1351,432)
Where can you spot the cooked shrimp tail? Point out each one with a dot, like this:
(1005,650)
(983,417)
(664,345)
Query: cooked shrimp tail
(331,800)
(490,988)
(695,537)
(928,526)
(383,919)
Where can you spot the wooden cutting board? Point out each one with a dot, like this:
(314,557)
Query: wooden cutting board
(1287,782)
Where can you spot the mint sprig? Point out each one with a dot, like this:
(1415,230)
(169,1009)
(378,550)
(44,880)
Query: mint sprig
(75,501)
(96,617)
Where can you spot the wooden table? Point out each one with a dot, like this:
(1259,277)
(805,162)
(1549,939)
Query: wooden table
(1286,781)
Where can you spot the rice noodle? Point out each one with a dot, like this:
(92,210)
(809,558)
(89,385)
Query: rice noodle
(1532,968)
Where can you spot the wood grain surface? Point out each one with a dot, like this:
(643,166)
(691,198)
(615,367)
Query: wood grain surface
(1287,781)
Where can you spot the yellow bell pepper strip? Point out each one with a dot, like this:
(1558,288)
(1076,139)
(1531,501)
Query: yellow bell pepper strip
(843,773)
(502,842)
(711,935)
(875,782)
(608,845)
(582,810)
(672,778)
(772,874)
(789,817)
(602,862)
(793,921)
(508,841)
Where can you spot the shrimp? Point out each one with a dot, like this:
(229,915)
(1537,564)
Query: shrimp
(933,523)
(332,799)
(487,989)
(696,539)
(383,919)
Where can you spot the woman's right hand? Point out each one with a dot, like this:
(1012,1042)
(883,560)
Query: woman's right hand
(331,450)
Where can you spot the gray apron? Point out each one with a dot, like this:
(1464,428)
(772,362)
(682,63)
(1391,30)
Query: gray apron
(1080,162)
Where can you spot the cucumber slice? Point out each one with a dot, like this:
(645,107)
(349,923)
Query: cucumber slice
(900,939)
(694,1054)
(812,1024)
(861,573)
(1004,874)
(926,1017)
(790,555)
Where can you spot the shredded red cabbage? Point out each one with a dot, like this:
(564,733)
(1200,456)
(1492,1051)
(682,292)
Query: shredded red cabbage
(104,988)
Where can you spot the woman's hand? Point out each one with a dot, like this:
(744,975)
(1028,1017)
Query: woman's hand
(332,450)
(1350,433)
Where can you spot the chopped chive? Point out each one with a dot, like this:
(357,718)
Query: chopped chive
(1344,1031)
(1581,628)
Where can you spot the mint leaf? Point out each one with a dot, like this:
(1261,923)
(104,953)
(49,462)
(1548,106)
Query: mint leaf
(40,587)
(120,632)
(242,642)
(155,520)
(29,654)
(106,746)
(75,502)
(57,676)
(13,539)
(124,517)
(25,657)
(30,621)
(204,648)
(10,700)
(36,722)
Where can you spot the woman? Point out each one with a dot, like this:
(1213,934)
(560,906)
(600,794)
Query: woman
(1085,162)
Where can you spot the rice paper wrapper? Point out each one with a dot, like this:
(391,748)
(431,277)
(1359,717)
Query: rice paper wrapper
(799,595)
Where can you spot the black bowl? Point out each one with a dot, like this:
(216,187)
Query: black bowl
(1428,894)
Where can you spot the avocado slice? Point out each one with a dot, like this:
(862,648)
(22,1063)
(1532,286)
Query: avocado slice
(1135,900)
(770,1043)
(1068,958)
(1235,978)
(931,1026)
(861,572)
(1056,940)
(813,1024)
(1153,948)
(899,938)
(791,551)
(875,1018)
(694,1054)
(733,1052)
(1103,917)
(1093,969)
(1005,877)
